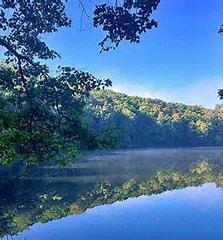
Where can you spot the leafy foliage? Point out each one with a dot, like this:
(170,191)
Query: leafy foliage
(24,22)
(124,22)
(42,118)
(144,122)
(220,93)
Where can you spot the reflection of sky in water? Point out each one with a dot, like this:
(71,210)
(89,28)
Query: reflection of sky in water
(200,198)
(188,214)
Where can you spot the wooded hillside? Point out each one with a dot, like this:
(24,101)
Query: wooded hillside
(128,121)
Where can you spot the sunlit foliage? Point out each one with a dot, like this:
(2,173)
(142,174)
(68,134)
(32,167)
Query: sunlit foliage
(145,122)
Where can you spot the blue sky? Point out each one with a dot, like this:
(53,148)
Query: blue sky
(181,60)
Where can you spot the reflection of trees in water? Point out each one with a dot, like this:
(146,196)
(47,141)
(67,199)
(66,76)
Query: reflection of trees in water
(49,206)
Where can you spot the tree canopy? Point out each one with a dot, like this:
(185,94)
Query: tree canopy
(41,114)
(125,21)
(42,118)
(125,121)
(22,24)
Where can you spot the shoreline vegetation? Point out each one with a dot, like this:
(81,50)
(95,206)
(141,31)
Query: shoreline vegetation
(47,115)
(103,119)
(122,121)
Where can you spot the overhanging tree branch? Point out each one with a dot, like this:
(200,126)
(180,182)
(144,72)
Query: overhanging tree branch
(20,57)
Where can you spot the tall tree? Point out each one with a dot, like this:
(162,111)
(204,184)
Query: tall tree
(43,120)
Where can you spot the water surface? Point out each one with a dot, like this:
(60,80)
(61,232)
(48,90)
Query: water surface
(137,194)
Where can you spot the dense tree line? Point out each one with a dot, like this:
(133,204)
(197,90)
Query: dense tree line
(119,120)
(53,118)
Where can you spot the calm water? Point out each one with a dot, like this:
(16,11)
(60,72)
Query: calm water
(141,194)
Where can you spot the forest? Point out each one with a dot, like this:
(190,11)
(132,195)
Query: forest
(47,115)
(124,121)
(73,112)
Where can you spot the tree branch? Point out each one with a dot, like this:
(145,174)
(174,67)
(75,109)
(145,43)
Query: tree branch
(21,58)
(84,10)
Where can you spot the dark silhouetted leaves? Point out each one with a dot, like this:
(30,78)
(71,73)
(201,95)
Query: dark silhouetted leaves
(125,22)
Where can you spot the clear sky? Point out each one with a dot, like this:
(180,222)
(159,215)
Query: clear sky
(180,61)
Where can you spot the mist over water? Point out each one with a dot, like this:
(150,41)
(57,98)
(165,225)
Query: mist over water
(119,194)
